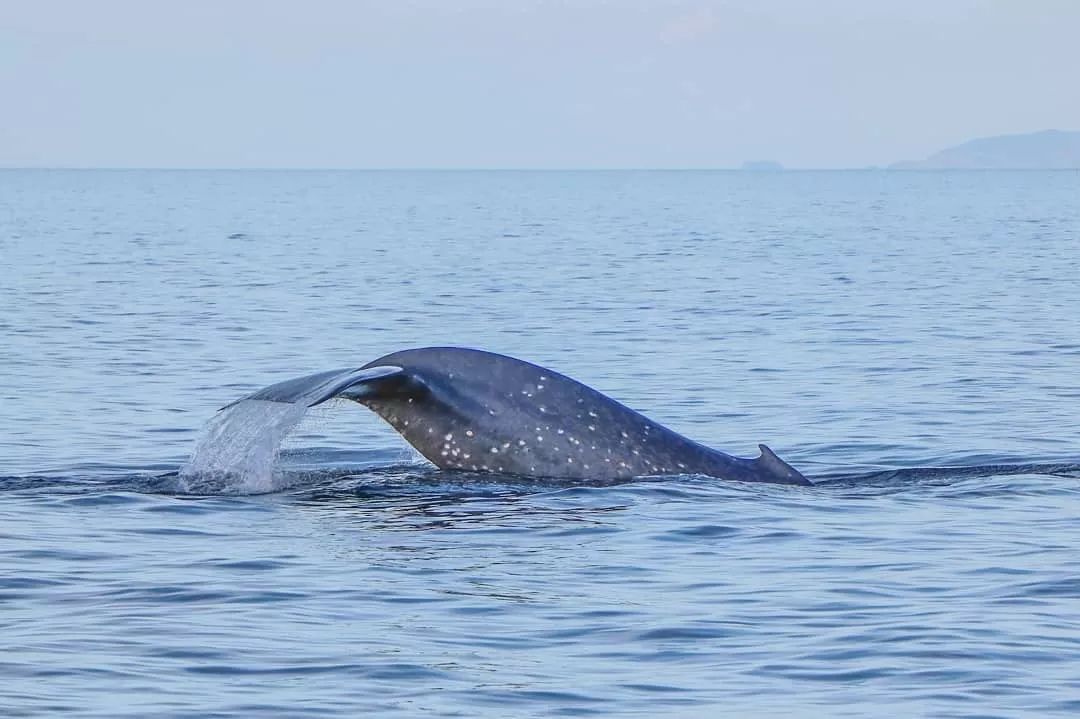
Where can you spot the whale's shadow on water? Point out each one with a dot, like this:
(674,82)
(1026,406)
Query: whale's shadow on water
(329,485)
(413,497)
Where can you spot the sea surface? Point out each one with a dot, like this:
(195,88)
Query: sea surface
(908,340)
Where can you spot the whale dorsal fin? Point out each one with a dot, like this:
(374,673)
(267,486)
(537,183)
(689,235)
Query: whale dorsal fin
(769,463)
(315,389)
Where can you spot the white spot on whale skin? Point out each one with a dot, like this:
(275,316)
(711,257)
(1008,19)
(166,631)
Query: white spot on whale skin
(494,450)
(448,437)
(466,456)
(559,431)
(505,445)
(521,442)
(591,413)
(570,460)
(539,387)
(539,438)
(624,434)
(592,428)
(543,409)
(468,433)
(543,378)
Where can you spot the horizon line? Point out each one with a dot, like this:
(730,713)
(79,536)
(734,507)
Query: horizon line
(751,171)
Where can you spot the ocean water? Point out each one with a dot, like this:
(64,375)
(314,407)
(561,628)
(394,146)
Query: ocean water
(910,341)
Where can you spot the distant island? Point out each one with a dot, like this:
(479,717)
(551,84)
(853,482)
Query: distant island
(762,166)
(1046,150)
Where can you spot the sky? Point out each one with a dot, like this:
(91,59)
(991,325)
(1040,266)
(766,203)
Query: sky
(526,83)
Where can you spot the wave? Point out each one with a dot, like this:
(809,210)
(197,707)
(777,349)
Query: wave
(360,474)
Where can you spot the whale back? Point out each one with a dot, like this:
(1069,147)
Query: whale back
(489,412)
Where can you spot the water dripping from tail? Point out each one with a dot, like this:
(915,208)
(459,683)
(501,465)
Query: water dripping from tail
(238,449)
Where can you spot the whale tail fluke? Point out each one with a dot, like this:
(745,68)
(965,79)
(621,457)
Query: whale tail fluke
(769,464)
(317,388)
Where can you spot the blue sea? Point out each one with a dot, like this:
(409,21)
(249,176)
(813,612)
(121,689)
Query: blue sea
(910,341)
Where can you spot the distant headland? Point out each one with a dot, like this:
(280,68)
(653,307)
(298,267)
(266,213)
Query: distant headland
(1046,150)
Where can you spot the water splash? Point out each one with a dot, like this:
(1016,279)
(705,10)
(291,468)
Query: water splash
(238,449)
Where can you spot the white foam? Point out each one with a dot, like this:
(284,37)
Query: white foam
(239,446)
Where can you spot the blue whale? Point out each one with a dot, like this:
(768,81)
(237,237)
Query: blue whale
(468,409)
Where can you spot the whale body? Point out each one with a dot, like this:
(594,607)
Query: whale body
(468,409)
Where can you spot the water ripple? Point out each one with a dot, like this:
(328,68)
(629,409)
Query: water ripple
(905,339)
